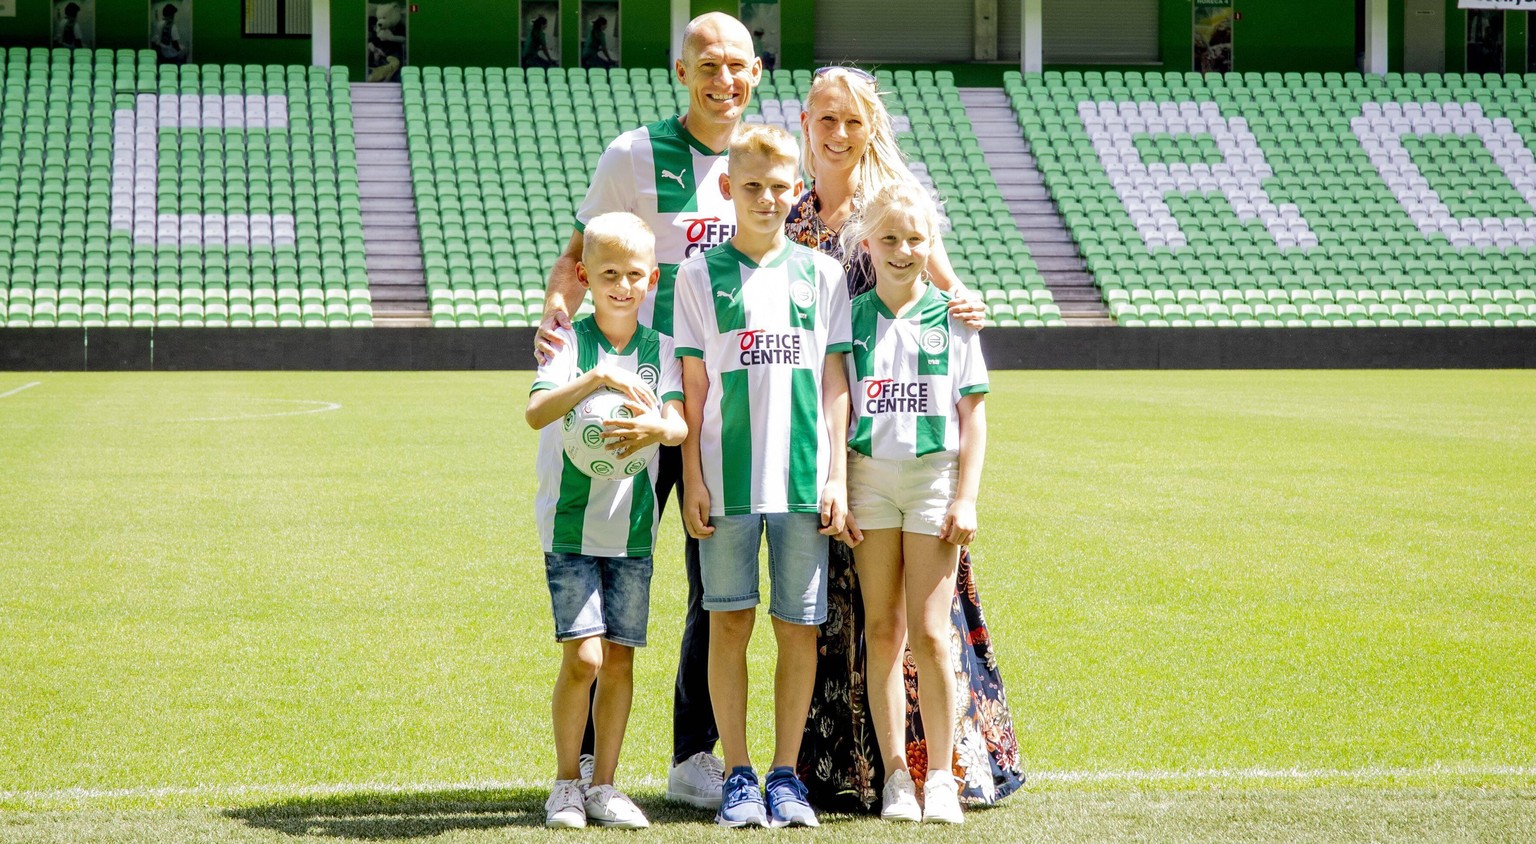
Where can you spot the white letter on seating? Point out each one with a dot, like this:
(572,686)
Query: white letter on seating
(1142,187)
(136,173)
(1381,129)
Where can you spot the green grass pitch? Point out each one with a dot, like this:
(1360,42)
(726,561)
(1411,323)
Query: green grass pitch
(1230,606)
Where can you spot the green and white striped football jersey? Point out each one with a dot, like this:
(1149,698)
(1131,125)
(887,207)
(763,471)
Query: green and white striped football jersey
(763,333)
(907,373)
(663,175)
(578,514)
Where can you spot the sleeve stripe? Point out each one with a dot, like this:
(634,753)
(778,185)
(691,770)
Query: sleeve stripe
(540,385)
(687,352)
(975,388)
(672,397)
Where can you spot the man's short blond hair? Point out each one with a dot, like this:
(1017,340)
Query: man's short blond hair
(618,233)
(770,142)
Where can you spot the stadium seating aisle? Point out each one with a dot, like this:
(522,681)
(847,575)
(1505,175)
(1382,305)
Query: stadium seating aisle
(203,195)
(499,166)
(1294,199)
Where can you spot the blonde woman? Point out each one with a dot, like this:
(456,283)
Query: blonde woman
(849,155)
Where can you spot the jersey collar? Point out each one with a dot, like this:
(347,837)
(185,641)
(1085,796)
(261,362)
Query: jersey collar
(687,136)
(929,297)
(778,260)
(590,324)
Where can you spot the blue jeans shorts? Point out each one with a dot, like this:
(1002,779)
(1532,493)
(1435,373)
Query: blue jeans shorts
(599,596)
(797,565)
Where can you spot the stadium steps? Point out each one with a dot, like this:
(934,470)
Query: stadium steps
(1030,205)
(391,235)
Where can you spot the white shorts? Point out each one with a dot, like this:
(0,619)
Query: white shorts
(913,494)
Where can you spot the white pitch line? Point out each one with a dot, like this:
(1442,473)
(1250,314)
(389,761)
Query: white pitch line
(1131,777)
(1295,774)
(19,389)
(324,407)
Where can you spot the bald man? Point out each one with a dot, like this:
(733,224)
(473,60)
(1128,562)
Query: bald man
(668,173)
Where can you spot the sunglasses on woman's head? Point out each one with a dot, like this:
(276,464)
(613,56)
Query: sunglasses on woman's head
(851,71)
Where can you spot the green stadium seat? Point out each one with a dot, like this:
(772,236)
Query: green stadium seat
(1312,167)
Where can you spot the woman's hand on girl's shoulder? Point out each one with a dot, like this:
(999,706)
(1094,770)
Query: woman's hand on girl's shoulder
(969,308)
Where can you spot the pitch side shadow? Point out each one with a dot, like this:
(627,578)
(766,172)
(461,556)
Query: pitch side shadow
(376,816)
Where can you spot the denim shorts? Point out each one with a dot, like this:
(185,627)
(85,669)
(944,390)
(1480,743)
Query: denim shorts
(797,565)
(913,494)
(599,596)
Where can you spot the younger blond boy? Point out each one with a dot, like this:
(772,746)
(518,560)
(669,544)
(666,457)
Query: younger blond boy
(598,534)
(761,325)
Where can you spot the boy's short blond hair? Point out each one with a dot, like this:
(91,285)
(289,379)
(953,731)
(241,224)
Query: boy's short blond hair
(618,233)
(770,142)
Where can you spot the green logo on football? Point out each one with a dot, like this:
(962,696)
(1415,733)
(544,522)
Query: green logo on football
(622,412)
(602,467)
(592,435)
(570,419)
(634,467)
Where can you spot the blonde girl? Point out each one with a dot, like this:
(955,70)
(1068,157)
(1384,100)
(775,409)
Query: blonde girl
(916,444)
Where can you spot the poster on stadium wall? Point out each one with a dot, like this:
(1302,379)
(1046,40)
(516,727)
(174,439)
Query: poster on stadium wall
(540,27)
(762,19)
(74,24)
(1510,5)
(7,8)
(1213,36)
(600,33)
(170,30)
(388,39)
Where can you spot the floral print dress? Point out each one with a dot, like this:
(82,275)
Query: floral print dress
(840,758)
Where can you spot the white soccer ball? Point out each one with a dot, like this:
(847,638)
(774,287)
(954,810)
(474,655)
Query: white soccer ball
(584,443)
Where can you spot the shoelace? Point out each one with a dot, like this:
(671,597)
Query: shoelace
(741,789)
(714,765)
(566,794)
(792,783)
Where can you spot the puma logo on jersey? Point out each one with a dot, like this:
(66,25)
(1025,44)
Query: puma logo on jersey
(729,297)
(862,343)
(678,177)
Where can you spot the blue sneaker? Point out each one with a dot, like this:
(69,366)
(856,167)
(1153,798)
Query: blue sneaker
(786,800)
(741,801)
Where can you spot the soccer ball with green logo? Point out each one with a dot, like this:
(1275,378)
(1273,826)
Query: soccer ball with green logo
(584,443)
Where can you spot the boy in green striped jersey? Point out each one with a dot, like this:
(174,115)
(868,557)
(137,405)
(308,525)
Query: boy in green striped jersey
(919,434)
(598,534)
(762,326)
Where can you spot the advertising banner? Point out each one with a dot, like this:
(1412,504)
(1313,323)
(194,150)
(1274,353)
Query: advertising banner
(540,43)
(388,39)
(74,24)
(600,33)
(1510,5)
(1213,36)
(170,30)
(762,20)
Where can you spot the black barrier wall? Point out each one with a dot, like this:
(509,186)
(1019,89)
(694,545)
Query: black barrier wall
(195,349)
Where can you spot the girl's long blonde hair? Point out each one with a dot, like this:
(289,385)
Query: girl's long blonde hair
(897,196)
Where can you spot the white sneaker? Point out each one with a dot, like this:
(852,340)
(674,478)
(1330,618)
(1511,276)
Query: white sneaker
(941,799)
(898,800)
(608,806)
(586,765)
(565,808)
(696,781)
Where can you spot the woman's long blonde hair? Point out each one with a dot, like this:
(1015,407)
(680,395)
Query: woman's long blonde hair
(882,163)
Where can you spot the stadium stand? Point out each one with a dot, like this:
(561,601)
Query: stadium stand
(1294,199)
(499,166)
(203,195)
